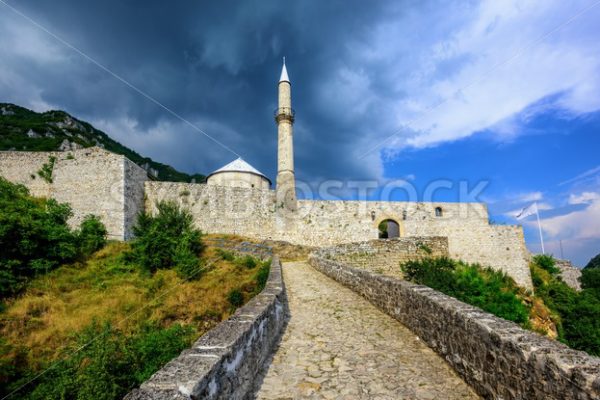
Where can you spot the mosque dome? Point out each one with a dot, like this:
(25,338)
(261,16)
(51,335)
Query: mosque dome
(239,173)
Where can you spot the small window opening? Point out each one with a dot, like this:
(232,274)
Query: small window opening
(439,212)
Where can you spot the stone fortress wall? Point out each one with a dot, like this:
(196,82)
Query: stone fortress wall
(385,256)
(257,213)
(95,181)
(92,181)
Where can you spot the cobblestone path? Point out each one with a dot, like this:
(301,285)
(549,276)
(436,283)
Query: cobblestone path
(339,346)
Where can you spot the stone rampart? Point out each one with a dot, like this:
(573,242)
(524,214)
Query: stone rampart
(95,181)
(255,213)
(224,363)
(385,256)
(496,357)
(219,209)
(91,181)
(569,274)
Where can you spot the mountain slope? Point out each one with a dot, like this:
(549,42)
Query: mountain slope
(23,129)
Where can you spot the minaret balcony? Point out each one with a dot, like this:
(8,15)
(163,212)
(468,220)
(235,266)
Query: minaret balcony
(284,113)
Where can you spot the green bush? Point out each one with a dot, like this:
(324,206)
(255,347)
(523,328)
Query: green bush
(47,168)
(226,255)
(235,297)
(91,235)
(485,288)
(262,275)
(246,261)
(166,240)
(546,262)
(105,364)
(590,278)
(578,313)
(35,237)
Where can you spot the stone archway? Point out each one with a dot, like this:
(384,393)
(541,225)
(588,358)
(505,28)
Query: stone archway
(388,229)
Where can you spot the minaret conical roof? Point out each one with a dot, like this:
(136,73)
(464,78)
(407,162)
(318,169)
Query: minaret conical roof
(284,75)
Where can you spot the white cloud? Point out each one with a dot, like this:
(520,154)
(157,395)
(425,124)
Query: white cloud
(583,224)
(583,176)
(529,197)
(478,69)
(584,198)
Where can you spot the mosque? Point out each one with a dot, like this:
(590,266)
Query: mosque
(239,199)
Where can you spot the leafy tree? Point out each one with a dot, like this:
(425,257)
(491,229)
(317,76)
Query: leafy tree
(166,240)
(590,278)
(92,235)
(35,237)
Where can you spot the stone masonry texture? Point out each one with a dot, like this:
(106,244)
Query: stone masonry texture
(339,346)
(95,181)
(496,357)
(257,213)
(92,181)
(385,256)
(224,362)
(569,274)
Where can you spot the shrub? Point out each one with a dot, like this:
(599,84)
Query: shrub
(546,262)
(235,297)
(92,235)
(577,313)
(226,255)
(247,262)
(262,275)
(105,364)
(47,168)
(167,240)
(485,288)
(153,347)
(35,237)
(590,278)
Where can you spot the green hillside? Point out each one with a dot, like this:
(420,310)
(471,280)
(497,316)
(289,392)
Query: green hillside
(23,129)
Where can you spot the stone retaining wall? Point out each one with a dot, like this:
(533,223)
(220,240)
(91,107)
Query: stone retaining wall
(385,256)
(496,357)
(223,363)
(90,180)
(569,274)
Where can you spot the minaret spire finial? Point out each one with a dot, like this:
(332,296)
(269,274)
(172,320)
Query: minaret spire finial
(284,75)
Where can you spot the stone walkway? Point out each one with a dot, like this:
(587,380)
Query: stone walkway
(339,346)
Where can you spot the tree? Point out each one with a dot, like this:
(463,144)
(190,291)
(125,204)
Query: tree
(35,237)
(167,239)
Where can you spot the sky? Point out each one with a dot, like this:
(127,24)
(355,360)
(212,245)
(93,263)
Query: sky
(500,96)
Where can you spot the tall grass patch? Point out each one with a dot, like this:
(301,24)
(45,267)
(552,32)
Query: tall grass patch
(490,290)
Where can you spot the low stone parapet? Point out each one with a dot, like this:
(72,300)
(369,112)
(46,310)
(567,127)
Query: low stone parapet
(224,363)
(499,359)
(384,256)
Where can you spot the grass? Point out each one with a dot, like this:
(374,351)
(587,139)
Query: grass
(44,318)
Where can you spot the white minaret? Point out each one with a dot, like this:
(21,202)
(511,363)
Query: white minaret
(284,116)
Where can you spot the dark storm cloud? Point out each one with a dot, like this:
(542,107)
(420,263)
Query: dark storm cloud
(214,63)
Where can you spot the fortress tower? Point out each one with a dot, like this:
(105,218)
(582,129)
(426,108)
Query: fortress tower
(284,117)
